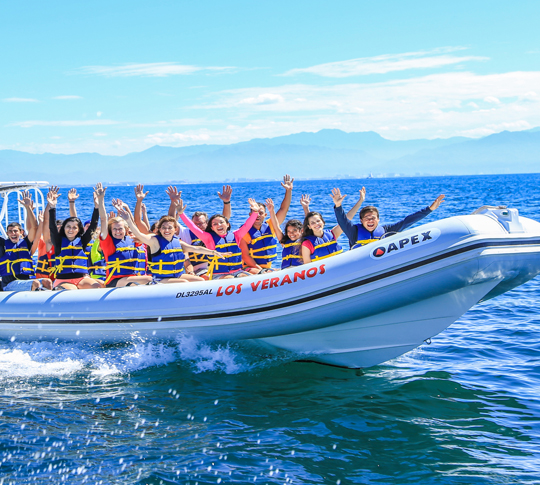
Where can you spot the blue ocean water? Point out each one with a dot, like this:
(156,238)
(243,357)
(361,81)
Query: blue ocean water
(462,410)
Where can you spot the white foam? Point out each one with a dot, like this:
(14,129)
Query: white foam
(34,359)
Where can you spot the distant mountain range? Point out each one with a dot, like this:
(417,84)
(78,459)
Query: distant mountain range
(325,154)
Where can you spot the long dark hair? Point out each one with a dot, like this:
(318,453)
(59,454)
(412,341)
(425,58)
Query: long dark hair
(62,230)
(294,223)
(306,231)
(215,216)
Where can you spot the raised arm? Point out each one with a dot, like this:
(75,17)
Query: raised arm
(240,233)
(225,196)
(287,184)
(39,232)
(31,221)
(305,201)
(338,200)
(175,195)
(144,218)
(72,197)
(52,200)
(204,236)
(356,207)
(140,194)
(99,197)
(273,219)
(46,230)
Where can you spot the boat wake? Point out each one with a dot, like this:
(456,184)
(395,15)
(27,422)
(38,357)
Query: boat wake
(62,359)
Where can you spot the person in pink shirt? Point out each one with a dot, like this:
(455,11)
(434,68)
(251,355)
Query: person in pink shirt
(218,236)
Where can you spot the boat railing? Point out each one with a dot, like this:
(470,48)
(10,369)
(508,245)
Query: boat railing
(16,188)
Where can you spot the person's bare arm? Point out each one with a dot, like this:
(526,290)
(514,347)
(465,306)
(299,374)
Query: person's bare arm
(31,221)
(146,222)
(246,257)
(306,254)
(225,196)
(305,201)
(72,197)
(273,219)
(140,194)
(356,207)
(39,232)
(99,193)
(287,184)
(175,195)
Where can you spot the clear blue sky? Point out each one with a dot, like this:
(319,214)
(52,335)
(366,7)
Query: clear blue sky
(120,76)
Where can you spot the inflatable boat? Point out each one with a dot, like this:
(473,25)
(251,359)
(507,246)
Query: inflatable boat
(356,309)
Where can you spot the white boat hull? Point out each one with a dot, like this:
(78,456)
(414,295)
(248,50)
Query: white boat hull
(352,310)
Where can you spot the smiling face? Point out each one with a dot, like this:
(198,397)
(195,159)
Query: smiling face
(316,224)
(167,230)
(71,229)
(14,233)
(118,230)
(220,226)
(370,221)
(293,233)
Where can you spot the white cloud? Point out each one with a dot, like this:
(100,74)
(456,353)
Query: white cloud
(438,105)
(266,98)
(492,100)
(387,63)
(154,69)
(31,123)
(68,97)
(20,100)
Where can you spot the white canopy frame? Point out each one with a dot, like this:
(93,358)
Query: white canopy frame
(8,188)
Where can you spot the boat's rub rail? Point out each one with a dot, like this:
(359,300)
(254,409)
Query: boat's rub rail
(320,295)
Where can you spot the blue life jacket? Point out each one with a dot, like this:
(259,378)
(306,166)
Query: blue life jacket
(16,260)
(291,254)
(72,258)
(263,245)
(197,258)
(365,237)
(227,244)
(169,261)
(45,264)
(325,246)
(124,260)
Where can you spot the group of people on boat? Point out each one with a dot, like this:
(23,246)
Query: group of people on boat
(122,248)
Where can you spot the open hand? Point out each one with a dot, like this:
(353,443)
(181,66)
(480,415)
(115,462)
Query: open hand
(173,193)
(305,201)
(140,193)
(287,183)
(99,192)
(226,193)
(437,202)
(253,205)
(52,196)
(270,205)
(72,195)
(337,197)
(362,194)
(26,199)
